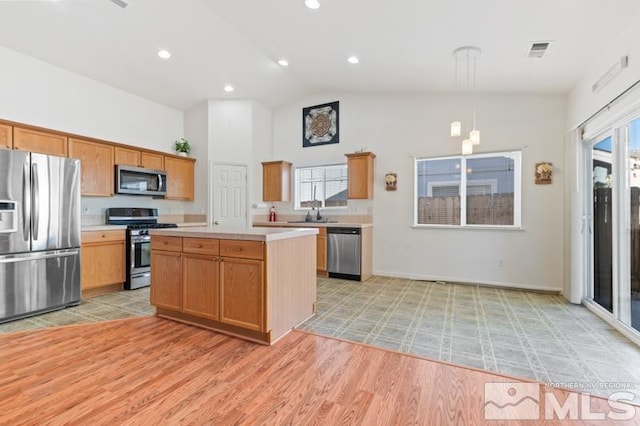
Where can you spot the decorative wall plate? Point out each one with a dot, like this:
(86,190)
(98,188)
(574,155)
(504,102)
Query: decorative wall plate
(321,124)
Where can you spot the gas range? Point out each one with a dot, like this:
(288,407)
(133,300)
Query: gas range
(138,221)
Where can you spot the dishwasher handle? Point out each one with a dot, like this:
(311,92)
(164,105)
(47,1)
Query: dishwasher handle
(350,231)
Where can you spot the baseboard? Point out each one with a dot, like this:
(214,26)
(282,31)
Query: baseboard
(458,280)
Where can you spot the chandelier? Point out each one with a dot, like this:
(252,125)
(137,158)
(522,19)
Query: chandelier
(466,57)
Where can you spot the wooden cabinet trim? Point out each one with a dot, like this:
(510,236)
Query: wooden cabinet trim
(207,246)
(242,249)
(89,237)
(161,242)
(44,142)
(6,136)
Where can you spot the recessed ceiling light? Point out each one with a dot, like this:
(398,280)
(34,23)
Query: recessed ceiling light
(164,54)
(353,59)
(312,4)
(228,88)
(283,63)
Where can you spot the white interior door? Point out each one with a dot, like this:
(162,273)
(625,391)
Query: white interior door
(229,201)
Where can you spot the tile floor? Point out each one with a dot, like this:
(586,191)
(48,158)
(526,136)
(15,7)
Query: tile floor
(525,334)
(125,304)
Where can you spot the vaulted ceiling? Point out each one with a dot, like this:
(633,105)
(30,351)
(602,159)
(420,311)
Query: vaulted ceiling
(404,46)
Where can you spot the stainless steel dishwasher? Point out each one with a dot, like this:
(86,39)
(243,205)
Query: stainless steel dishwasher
(344,253)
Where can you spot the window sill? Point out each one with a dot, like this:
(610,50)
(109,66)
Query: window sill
(472,228)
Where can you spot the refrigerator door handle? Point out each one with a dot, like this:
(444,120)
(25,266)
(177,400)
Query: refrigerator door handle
(26,201)
(36,200)
(37,256)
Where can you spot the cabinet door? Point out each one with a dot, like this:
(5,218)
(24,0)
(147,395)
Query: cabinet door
(166,279)
(360,180)
(102,264)
(201,285)
(321,253)
(96,162)
(128,157)
(276,181)
(41,142)
(179,178)
(152,161)
(242,293)
(6,136)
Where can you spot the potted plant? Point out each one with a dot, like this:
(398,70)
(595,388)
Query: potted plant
(182,147)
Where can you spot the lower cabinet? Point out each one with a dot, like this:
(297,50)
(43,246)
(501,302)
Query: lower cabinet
(103,260)
(321,251)
(242,280)
(193,277)
(166,276)
(201,285)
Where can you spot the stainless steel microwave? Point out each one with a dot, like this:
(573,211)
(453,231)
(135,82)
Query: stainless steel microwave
(140,181)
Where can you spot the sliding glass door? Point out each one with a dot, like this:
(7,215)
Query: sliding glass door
(613,205)
(602,220)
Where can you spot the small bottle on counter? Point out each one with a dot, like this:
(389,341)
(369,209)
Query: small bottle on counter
(272,214)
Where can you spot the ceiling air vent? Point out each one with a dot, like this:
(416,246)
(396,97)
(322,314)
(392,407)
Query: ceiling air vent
(538,49)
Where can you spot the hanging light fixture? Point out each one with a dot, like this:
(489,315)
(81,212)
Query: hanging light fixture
(468,55)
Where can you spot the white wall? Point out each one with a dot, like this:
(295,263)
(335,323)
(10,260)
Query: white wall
(240,133)
(397,128)
(196,130)
(40,94)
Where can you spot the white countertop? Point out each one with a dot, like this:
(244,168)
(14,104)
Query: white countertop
(251,234)
(314,224)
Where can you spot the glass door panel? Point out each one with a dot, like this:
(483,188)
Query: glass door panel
(602,167)
(633,170)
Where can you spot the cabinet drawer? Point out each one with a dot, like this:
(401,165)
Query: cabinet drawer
(201,245)
(161,242)
(102,236)
(243,249)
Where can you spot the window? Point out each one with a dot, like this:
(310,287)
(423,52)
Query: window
(321,186)
(488,193)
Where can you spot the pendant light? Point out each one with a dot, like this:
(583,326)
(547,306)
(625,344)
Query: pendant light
(468,55)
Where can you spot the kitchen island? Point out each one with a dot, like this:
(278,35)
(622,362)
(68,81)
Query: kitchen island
(255,283)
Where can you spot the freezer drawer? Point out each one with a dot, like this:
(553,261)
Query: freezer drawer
(344,253)
(32,283)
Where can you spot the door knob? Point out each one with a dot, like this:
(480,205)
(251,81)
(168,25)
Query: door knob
(215,222)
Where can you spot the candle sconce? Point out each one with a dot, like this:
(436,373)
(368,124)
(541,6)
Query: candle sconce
(390,180)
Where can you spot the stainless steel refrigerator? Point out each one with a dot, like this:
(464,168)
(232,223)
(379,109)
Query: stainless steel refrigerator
(39,233)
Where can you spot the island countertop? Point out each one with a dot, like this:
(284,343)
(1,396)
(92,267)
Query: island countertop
(249,234)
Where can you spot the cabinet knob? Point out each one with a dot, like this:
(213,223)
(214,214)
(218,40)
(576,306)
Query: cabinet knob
(198,245)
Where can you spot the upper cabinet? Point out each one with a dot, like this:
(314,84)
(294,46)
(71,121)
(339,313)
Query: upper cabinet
(127,156)
(152,161)
(276,181)
(180,177)
(360,167)
(39,141)
(96,164)
(6,136)
(137,158)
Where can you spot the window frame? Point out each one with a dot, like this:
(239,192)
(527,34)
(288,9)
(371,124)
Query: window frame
(296,187)
(516,155)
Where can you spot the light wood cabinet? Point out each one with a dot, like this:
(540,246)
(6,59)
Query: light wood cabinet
(321,251)
(166,279)
(201,278)
(276,181)
(360,180)
(6,136)
(242,293)
(96,161)
(38,141)
(103,259)
(180,178)
(152,161)
(257,292)
(126,156)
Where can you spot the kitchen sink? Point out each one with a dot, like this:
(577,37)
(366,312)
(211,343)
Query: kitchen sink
(312,221)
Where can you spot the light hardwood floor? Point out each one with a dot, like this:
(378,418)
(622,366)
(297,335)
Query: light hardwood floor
(155,371)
